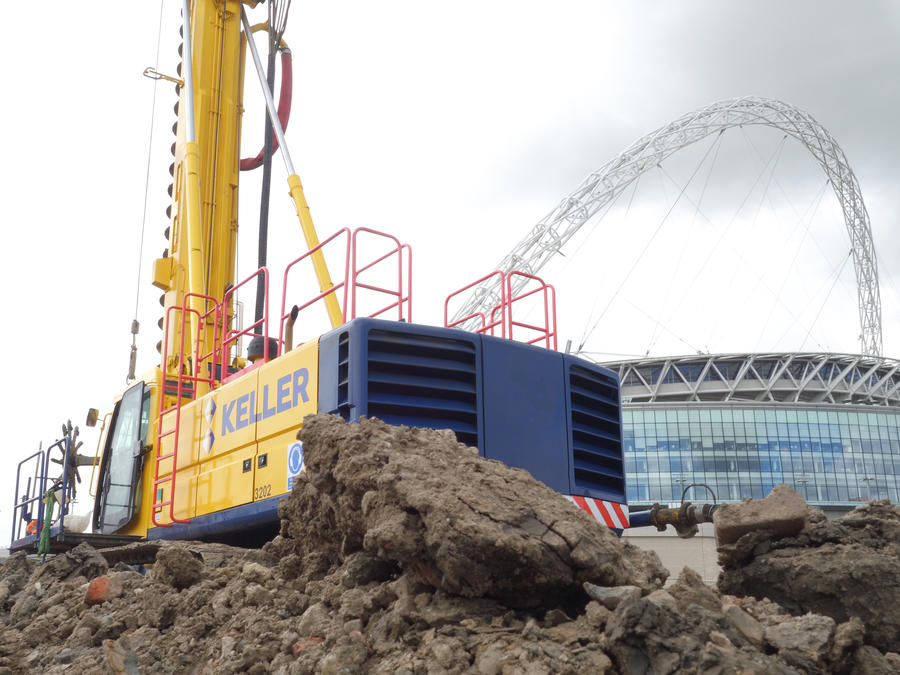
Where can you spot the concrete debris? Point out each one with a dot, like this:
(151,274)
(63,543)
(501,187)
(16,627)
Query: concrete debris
(782,513)
(403,552)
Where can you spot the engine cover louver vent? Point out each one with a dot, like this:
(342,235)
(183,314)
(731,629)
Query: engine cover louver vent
(596,434)
(424,381)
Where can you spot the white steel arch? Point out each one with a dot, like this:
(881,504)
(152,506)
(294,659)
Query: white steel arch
(604,185)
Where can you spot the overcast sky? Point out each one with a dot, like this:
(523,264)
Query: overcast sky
(458,126)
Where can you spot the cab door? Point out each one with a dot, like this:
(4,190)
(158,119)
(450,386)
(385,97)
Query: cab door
(118,485)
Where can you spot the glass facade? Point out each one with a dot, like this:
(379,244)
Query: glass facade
(831,456)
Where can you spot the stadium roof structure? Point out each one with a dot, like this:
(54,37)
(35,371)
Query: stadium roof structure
(781,378)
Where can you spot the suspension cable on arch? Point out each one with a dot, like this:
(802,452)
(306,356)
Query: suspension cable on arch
(812,210)
(825,301)
(135,326)
(664,327)
(759,278)
(782,190)
(721,237)
(796,319)
(762,200)
(594,227)
(587,335)
(657,332)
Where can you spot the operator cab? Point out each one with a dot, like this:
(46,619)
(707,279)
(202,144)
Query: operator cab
(119,483)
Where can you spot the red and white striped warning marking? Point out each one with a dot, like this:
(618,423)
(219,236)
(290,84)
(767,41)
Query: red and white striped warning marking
(610,514)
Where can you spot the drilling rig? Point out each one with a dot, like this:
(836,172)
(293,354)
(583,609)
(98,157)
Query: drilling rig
(204,444)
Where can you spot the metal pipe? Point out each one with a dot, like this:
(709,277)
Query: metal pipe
(188,72)
(270,103)
(640,519)
(684,519)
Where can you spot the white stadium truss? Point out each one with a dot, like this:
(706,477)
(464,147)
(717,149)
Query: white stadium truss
(764,378)
(548,237)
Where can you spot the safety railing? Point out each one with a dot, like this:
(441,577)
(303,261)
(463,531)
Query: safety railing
(478,322)
(538,332)
(385,274)
(180,391)
(37,485)
(500,318)
(258,327)
(287,310)
(208,360)
(397,296)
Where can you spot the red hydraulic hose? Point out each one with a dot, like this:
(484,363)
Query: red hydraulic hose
(284,110)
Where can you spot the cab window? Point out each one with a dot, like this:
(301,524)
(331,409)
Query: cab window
(118,492)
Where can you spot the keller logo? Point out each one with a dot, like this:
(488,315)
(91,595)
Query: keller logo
(287,393)
(209,413)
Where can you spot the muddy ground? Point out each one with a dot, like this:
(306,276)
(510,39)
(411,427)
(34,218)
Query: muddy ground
(402,551)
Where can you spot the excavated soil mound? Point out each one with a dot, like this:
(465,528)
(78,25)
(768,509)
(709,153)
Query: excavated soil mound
(843,568)
(469,527)
(403,552)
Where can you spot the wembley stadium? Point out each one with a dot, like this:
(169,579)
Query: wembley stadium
(827,424)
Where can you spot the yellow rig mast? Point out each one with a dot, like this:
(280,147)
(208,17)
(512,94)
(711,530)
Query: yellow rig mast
(203,230)
(200,259)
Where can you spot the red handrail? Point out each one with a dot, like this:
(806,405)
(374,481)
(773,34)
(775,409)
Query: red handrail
(398,295)
(231,336)
(334,288)
(214,355)
(547,331)
(158,504)
(210,366)
(485,326)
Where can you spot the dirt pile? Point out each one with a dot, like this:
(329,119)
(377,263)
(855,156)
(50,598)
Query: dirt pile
(849,567)
(403,552)
(468,527)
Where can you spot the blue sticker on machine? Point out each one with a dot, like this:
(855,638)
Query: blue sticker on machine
(294,463)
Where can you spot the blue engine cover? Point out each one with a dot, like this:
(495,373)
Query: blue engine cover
(552,414)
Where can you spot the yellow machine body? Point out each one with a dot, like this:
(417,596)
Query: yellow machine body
(232,436)
(233,443)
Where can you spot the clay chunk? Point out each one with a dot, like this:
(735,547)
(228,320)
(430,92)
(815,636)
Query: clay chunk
(783,513)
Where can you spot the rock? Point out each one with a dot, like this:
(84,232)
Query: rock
(555,617)
(689,589)
(97,591)
(177,567)
(104,588)
(810,635)
(782,512)
(253,572)
(869,661)
(345,657)
(315,621)
(596,615)
(257,595)
(303,644)
(120,659)
(847,637)
(82,561)
(745,624)
(610,597)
